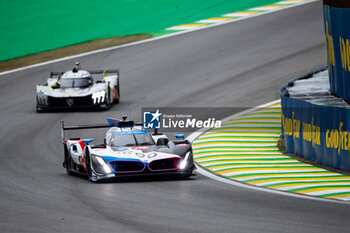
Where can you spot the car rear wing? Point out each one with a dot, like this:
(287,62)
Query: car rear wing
(111,123)
(104,72)
(54,74)
(78,127)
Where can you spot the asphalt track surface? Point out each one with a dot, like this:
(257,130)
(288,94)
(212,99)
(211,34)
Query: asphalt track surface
(237,64)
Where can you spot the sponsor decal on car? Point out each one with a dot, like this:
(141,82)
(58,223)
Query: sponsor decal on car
(140,148)
(70,102)
(98,97)
(70,91)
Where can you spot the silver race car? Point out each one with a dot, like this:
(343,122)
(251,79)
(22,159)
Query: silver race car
(128,150)
(76,89)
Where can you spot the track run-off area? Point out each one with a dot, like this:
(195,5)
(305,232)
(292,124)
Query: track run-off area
(238,64)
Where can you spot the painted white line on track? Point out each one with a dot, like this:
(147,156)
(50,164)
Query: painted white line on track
(237,134)
(292,186)
(215,20)
(282,176)
(231,165)
(329,191)
(228,160)
(231,144)
(237,139)
(269,171)
(256,188)
(152,39)
(265,8)
(289,2)
(293,181)
(345,198)
(240,14)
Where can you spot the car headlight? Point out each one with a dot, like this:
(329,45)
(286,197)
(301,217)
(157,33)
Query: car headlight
(98,97)
(184,162)
(100,165)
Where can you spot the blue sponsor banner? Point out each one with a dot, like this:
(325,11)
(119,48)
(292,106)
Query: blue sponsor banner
(316,132)
(337,29)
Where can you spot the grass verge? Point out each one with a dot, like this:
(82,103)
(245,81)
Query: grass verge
(69,51)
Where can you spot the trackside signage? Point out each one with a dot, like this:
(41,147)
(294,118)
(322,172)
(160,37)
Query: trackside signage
(184,119)
(318,133)
(337,30)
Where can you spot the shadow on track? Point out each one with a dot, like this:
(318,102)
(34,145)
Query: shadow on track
(137,179)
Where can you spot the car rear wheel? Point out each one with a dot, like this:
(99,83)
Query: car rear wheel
(68,161)
(107,104)
(88,169)
(69,166)
(88,166)
(117,94)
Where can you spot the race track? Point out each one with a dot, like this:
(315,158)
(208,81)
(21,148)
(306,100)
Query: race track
(238,64)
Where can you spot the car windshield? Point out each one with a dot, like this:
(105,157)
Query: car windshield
(144,139)
(124,139)
(75,82)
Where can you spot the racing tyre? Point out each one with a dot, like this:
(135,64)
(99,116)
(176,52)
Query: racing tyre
(69,165)
(117,94)
(88,171)
(68,162)
(107,103)
(88,166)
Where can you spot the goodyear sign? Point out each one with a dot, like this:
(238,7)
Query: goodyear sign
(337,29)
(317,133)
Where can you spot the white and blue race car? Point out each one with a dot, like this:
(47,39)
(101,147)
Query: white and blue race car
(76,88)
(128,150)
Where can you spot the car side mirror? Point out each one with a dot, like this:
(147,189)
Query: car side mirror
(179,136)
(53,82)
(162,141)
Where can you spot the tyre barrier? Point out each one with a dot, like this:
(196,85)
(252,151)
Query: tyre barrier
(314,129)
